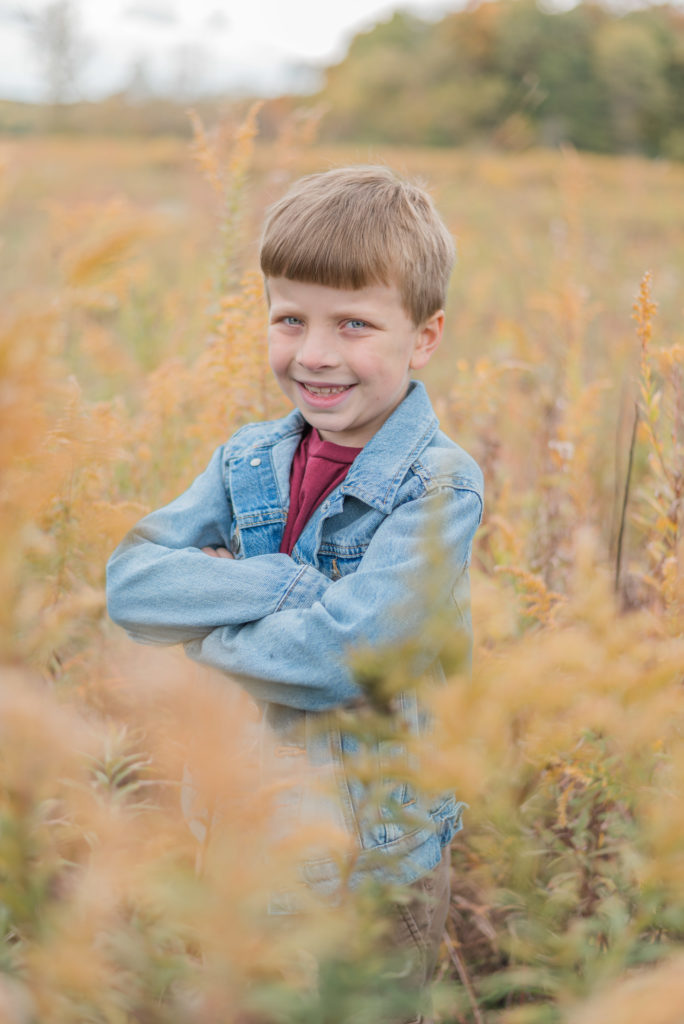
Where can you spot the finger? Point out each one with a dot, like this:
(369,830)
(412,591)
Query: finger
(210,551)
(223,553)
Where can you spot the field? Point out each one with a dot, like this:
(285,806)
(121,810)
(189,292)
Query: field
(131,344)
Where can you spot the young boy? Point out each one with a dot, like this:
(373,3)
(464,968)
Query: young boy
(306,538)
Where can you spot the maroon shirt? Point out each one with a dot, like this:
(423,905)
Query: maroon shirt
(317,468)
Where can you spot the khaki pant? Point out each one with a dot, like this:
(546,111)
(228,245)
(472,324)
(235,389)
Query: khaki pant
(416,929)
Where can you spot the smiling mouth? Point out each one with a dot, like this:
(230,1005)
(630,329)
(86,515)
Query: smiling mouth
(325,389)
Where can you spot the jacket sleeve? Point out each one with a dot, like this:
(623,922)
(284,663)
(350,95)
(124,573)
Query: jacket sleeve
(298,657)
(163,589)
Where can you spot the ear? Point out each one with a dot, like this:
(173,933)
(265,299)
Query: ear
(429,337)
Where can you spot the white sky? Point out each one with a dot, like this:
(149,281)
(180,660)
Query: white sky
(265,45)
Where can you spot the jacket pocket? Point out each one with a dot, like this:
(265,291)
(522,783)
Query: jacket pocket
(336,563)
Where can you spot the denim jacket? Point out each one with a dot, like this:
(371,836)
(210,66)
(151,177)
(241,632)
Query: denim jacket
(284,625)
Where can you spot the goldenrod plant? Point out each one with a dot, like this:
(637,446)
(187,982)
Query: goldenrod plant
(124,364)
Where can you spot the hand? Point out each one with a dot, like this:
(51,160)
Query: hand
(217,552)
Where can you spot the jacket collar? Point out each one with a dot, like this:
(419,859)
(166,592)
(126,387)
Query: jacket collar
(379,469)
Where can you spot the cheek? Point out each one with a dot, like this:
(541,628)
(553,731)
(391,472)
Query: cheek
(388,373)
(278,356)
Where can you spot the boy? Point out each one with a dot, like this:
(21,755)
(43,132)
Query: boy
(305,538)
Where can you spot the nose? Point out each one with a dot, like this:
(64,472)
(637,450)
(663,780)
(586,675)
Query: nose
(316,350)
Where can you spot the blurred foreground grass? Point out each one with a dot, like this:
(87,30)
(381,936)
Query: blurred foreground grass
(123,364)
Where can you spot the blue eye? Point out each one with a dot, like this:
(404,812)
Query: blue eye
(356,324)
(291,321)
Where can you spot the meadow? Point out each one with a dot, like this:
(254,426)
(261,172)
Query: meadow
(132,342)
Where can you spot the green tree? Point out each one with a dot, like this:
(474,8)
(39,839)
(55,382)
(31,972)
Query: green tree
(549,65)
(591,76)
(369,93)
(632,63)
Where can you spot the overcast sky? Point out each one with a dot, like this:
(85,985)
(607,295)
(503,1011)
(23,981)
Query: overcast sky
(202,44)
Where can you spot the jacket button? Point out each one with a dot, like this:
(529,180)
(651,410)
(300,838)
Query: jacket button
(255,462)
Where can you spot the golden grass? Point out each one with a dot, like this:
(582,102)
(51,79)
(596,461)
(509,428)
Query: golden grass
(131,343)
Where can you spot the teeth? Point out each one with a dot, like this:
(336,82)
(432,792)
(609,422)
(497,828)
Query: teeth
(337,390)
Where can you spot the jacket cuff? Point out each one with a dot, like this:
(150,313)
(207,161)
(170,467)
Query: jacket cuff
(306,588)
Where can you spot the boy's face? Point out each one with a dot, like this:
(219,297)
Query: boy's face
(344,356)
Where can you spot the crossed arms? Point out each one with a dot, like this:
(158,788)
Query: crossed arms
(285,630)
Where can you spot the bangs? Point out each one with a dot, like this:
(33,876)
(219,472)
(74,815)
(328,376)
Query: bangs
(359,226)
(334,249)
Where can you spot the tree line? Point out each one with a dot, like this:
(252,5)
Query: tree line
(505,73)
(513,74)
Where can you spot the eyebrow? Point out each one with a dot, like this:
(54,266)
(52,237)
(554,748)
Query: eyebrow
(291,308)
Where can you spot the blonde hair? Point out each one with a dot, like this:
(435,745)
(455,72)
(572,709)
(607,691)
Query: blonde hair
(356,226)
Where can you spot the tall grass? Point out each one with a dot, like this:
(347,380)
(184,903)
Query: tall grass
(131,342)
